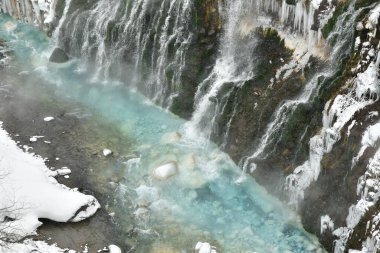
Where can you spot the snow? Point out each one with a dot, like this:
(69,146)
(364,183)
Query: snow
(114,249)
(29,246)
(47,119)
(316,4)
(35,138)
(326,223)
(368,189)
(357,43)
(64,171)
(367,83)
(107,152)
(370,137)
(353,123)
(165,171)
(373,18)
(373,114)
(359,26)
(204,247)
(30,192)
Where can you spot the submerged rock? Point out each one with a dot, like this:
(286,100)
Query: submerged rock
(165,171)
(58,56)
(171,138)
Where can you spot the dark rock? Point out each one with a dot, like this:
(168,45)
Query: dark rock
(291,2)
(59,56)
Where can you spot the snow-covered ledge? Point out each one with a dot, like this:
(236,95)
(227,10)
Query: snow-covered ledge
(28,192)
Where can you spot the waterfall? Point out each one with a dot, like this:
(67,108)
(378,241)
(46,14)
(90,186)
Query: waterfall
(234,66)
(301,16)
(143,43)
(41,13)
(337,113)
(62,20)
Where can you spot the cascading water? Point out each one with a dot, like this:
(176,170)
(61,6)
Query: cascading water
(233,68)
(236,65)
(147,40)
(344,36)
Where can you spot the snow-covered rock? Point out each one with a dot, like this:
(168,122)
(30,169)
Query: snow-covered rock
(48,119)
(35,138)
(107,152)
(204,247)
(114,249)
(165,171)
(29,193)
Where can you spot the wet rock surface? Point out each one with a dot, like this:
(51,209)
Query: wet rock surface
(58,56)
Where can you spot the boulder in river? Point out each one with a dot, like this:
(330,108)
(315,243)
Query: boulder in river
(165,171)
(114,249)
(58,56)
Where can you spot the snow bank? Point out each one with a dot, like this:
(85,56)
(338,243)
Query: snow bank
(29,246)
(28,191)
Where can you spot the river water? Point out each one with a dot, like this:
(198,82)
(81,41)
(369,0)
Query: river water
(201,202)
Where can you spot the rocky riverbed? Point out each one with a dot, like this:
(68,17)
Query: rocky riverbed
(73,139)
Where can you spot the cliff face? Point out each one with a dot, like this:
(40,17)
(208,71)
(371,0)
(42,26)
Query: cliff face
(289,89)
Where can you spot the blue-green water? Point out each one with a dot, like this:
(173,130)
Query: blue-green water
(202,201)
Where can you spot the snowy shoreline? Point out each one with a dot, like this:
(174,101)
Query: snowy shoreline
(28,192)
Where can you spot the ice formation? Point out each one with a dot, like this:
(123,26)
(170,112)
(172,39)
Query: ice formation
(370,137)
(326,223)
(301,16)
(337,113)
(368,191)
